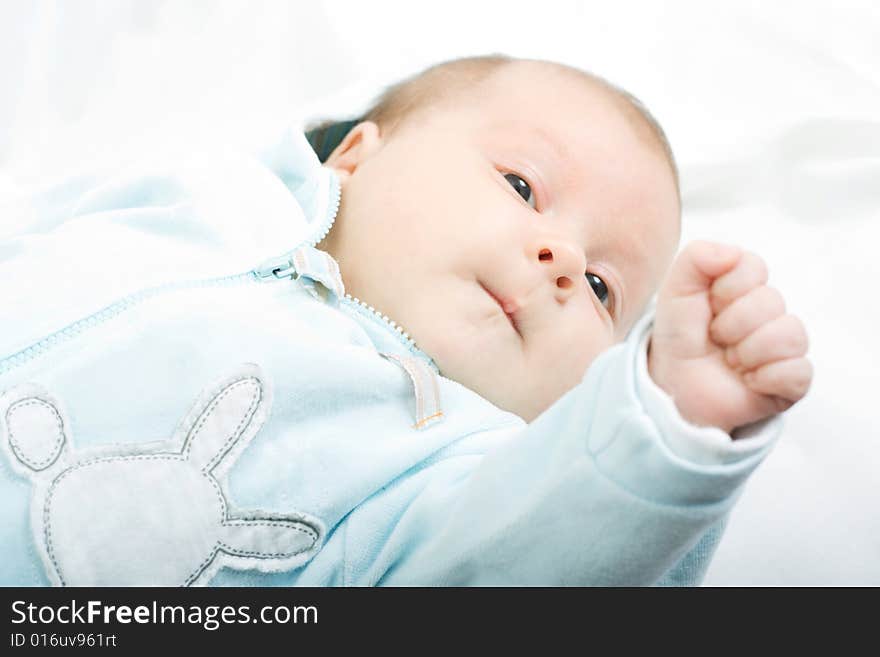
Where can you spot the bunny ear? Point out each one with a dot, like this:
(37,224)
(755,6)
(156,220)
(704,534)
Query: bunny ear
(32,429)
(227,417)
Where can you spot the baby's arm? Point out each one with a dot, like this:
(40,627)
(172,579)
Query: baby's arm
(590,493)
(611,485)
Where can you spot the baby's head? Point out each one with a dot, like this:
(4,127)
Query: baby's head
(513,216)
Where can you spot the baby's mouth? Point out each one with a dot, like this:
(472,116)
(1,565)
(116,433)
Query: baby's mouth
(508,307)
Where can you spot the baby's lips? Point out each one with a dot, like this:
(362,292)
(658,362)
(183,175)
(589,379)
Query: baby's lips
(509,305)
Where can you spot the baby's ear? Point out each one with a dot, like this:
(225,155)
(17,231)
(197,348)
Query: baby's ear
(361,142)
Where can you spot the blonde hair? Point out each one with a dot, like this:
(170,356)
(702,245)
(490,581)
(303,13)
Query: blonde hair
(446,81)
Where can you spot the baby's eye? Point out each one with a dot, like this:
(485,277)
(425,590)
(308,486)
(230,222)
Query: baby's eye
(599,288)
(522,188)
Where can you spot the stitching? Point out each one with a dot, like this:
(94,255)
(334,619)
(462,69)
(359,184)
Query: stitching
(245,553)
(221,499)
(201,567)
(54,453)
(258,555)
(182,456)
(268,522)
(414,372)
(417,389)
(265,522)
(313,534)
(47,523)
(424,421)
(203,417)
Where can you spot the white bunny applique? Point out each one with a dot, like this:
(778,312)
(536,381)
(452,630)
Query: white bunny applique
(150,513)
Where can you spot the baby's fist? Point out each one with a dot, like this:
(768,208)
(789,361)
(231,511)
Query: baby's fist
(722,345)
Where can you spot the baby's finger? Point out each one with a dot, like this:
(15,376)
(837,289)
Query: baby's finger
(778,339)
(746,314)
(749,273)
(697,266)
(787,379)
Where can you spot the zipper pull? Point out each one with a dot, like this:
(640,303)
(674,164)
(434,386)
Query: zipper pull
(280,267)
(314,269)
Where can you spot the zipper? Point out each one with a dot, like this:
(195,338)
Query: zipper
(279,268)
(365,309)
(273,269)
(108,312)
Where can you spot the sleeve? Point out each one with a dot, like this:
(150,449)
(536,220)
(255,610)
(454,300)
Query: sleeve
(704,445)
(603,488)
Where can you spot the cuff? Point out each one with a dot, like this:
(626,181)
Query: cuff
(699,445)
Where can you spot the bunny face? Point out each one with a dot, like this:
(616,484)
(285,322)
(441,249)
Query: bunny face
(150,517)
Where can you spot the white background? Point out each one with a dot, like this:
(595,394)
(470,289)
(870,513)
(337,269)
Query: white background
(773,110)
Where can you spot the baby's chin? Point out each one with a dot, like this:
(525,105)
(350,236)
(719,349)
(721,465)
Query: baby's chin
(477,348)
(510,391)
(527,404)
(528,391)
(501,376)
(469,350)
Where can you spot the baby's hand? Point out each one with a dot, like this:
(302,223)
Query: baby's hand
(722,345)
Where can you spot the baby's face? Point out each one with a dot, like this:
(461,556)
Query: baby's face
(514,236)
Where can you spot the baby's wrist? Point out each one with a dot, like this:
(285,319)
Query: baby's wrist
(688,403)
(690,439)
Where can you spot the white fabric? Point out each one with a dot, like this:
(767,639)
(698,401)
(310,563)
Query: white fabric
(772,109)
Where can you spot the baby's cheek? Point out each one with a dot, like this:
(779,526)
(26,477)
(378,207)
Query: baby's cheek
(444,348)
(441,350)
(480,370)
(577,359)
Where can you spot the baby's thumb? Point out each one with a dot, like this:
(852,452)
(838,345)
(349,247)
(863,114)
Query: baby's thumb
(697,266)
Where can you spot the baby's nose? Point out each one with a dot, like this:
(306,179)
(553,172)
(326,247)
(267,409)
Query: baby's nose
(564,264)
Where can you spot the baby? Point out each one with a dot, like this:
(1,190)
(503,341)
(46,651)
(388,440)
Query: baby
(515,300)
(425,362)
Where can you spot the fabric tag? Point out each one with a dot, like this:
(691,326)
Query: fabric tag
(425,389)
(319,273)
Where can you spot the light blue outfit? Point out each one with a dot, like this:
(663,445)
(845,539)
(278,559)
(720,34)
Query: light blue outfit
(189,397)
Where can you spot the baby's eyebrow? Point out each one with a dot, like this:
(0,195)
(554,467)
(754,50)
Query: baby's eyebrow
(558,148)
